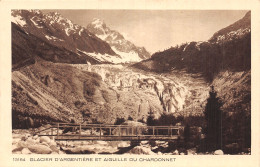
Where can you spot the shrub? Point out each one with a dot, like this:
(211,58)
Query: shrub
(166,119)
(119,121)
(130,118)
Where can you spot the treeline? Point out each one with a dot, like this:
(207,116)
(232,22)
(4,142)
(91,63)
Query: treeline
(215,130)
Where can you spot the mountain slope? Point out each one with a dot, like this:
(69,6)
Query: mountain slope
(60,32)
(236,30)
(44,92)
(59,92)
(224,61)
(228,49)
(126,49)
(26,47)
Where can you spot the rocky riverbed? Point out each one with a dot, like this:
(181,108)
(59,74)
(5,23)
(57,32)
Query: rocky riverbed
(24,142)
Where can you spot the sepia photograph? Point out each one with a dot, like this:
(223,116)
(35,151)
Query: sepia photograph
(132,82)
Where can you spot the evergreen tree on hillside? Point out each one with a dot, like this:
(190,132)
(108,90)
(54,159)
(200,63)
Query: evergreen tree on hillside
(150,119)
(213,116)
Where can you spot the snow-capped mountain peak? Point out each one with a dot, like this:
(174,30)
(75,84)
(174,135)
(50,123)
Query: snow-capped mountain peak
(97,41)
(98,23)
(99,28)
(117,41)
(61,32)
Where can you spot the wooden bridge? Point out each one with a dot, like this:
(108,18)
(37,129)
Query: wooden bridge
(71,131)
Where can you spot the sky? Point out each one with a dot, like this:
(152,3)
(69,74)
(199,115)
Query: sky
(157,30)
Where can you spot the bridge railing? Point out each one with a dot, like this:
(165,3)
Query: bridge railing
(81,131)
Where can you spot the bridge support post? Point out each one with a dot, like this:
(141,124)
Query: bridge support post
(153,130)
(99,131)
(58,127)
(52,134)
(79,131)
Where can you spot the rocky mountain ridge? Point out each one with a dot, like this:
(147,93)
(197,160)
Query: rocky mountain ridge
(228,49)
(117,41)
(234,31)
(60,32)
(27,47)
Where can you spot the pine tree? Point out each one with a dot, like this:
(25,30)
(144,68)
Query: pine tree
(213,116)
(150,119)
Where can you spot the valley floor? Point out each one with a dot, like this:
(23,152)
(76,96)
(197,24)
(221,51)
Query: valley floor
(25,143)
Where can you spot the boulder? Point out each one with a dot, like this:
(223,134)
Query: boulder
(123,144)
(37,140)
(191,151)
(39,149)
(14,146)
(141,150)
(54,148)
(17,149)
(26,151)
(155,147)
(23,138)
(45,139)
(218,152)
(22,144)
(16,135)
(45,144)
(27,135)
(62,143)
(61,152)
(144,142)
(202,136)
(35,137)
(30,141)
(15,140)
(176,152)
(53,143)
